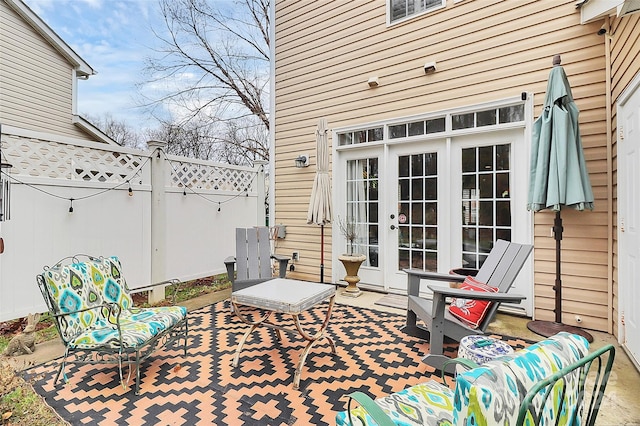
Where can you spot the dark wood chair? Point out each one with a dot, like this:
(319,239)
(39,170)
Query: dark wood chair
(499,270)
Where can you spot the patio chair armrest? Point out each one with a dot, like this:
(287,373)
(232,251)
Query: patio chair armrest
(415,275)
(369,405)
(230,263)
(283,261)
(477,295)
(436,276)
(280,258)
(466,363)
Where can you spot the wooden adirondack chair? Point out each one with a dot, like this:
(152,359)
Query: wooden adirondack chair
(499,270)
(253,259)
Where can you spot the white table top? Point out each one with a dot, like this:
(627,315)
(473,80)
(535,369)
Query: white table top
(284,295)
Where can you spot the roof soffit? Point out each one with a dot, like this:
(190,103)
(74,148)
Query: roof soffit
(593,10)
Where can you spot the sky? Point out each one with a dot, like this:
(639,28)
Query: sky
(114,37)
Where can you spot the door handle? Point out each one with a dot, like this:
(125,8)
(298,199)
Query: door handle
(392,227)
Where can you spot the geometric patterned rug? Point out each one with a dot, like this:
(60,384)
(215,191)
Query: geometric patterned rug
(373,355)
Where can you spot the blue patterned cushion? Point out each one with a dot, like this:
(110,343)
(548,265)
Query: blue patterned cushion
(492,393)
(137,325)
(429,403)
(90,284)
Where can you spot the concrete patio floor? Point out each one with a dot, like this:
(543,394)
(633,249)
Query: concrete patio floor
(620,406)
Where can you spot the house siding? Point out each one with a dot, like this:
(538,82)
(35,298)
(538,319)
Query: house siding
(625,65)
(36,82)
(485,50)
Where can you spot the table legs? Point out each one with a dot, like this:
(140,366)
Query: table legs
(310,338)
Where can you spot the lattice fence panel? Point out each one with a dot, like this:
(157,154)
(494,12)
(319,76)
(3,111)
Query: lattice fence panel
(55,160)
(211,177)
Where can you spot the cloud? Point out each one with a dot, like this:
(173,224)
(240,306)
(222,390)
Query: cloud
(114,37)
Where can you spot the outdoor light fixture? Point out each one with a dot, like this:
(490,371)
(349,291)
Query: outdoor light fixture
(430,67)
(302,161)
(373,82)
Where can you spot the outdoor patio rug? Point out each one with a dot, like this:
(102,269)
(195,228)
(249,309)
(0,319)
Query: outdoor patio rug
(372,355)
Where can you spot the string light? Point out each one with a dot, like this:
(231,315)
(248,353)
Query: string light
(70,205)
(184,192)
(130,190)
(218,205)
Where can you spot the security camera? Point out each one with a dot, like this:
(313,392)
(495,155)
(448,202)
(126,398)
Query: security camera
(603,30)
(429,67)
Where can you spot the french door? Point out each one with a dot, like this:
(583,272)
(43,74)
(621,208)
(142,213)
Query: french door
(434,204)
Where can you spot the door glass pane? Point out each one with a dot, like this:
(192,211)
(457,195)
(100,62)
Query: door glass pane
(485,201)
(362,207)
(418,211)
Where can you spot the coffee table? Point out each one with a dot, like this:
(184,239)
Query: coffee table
(286,296)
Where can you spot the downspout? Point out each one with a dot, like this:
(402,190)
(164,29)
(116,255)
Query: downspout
(272,113)
(607,55)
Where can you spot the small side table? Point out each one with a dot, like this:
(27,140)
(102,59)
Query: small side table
(481,349)
(286,296)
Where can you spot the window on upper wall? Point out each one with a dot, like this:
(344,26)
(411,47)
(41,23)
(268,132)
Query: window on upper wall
(401,9)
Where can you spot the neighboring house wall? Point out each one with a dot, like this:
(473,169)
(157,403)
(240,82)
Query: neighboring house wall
(485,50)
(36,81)
(624,38)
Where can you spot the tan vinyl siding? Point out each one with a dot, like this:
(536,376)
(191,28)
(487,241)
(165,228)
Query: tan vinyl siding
(485,50)
(625,65)
(36,82)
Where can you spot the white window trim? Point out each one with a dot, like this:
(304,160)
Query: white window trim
(447,113)
(415,15)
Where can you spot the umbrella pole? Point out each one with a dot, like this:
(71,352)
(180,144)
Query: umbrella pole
(549,328)
(557,234)
(322,253)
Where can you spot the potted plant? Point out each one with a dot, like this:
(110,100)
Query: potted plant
(351,261)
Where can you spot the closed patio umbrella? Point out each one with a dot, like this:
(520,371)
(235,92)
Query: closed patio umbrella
(320,203)
(559,176)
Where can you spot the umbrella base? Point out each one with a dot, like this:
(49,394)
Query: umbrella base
(549,328)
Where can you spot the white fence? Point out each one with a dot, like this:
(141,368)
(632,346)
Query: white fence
(177,221)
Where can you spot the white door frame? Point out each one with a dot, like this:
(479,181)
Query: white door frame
(627,336)
(381,149)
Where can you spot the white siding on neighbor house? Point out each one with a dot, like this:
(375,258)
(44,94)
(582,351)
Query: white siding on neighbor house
(36,81)
(484,50)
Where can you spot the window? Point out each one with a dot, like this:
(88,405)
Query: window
(418,211)
(486,201)
(362,206)
(490,117)
(400,9)
(406,129)
(360,136)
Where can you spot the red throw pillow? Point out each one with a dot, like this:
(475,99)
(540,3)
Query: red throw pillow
(471,311)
